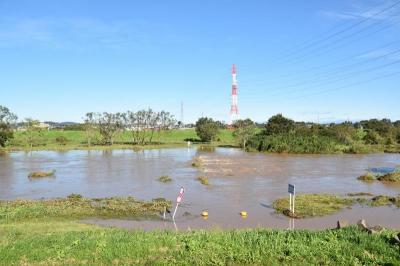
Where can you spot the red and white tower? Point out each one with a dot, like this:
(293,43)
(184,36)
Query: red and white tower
(234,114)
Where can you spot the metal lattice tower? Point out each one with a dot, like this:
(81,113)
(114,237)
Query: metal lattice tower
(234,114)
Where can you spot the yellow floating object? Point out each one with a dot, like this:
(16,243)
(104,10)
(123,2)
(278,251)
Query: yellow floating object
(243,213)
(204,213)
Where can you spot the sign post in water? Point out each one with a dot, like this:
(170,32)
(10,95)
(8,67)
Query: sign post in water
(178,201)
(292,195)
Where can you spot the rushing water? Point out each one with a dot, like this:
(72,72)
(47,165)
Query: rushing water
(238,181)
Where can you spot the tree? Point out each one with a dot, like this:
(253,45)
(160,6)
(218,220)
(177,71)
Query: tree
(206,128)
(371,137)
(32,131)
(90,127)
(108,125)
(166,122)
(278,124)
(7,120)
(244,130)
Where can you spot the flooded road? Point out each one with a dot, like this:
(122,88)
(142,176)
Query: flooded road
(238,181)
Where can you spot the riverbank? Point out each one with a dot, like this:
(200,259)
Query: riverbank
(61,243)
(57,140)
(52,236)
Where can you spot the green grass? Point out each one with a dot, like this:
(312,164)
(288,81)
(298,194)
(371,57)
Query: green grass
(70,243)
(48,232)
(76,207)
(77,140)
(367,177)
(384,201)
(40,174)
(203,180)
(390,177)
(164,179)
(311,205)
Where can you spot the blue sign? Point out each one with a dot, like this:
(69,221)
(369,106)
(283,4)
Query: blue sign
(291,189)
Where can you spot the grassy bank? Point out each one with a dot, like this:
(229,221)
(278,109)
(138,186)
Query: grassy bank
(48,232)
(71,243)
(77,207)
(49,140)
(312,205)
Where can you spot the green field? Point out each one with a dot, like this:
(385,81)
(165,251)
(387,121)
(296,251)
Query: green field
(47,140)
(49,233)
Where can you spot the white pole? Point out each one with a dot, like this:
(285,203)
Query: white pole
(294,195)
(176,207)
(290,202)
(165,209)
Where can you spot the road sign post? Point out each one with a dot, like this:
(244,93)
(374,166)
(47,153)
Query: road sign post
(178,201)
(292,193)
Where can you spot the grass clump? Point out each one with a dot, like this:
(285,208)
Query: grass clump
(203,180)
(41,174)
(311,205)
(390,177)
(384,201)
(76,207)
(164,179)
(196,162)
(360,194)
(368,177)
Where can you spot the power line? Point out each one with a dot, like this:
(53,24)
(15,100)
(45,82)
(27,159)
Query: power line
(326,74)
(353,26)
(342,41)
(329,37)
(345,76)
(351,85)
(344,59)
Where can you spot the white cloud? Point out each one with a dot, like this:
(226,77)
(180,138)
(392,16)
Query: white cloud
(362,12)
(79,32)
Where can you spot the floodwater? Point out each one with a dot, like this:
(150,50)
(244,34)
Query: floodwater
(239,181)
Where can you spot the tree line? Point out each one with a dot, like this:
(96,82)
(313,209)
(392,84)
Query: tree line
(143,126)
(281,134)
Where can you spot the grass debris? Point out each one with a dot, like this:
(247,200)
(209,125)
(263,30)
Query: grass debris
(41,174)
(311,205)
(360,194)
(203,180)
(382,200)
(368,177)
(164,179)
(75,207)
(390,177)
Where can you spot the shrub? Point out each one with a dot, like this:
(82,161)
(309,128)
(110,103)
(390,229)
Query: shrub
(203,180)
(207,129)
(164,179)
(61,140)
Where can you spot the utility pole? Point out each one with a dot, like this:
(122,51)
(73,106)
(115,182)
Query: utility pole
(234,114)
(182,123)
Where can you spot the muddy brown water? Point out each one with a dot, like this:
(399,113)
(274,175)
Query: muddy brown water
(238,181)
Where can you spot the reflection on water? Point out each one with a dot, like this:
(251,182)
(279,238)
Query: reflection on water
(238,181)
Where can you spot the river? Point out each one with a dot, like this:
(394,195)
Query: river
(238,181)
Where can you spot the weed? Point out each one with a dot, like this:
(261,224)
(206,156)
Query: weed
(390,177)
(203,180)
(368,177)
(310,205)
(41,174)
(164,179)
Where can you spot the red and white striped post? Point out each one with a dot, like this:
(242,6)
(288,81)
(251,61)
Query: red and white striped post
(178,201)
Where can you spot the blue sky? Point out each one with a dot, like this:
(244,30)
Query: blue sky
(61,59)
